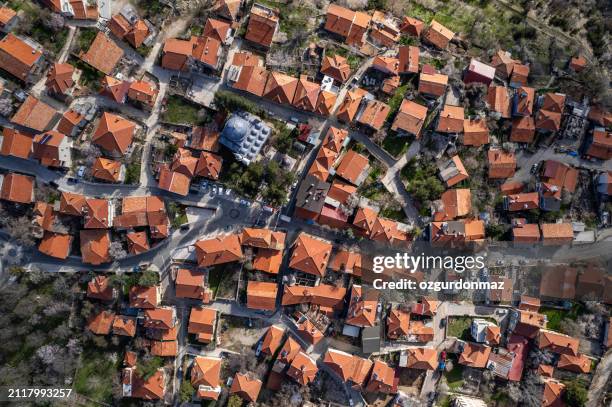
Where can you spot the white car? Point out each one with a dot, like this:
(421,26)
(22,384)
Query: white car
(228,191)
(81,171)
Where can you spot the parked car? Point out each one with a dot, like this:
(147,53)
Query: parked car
(81,171)
(534,168)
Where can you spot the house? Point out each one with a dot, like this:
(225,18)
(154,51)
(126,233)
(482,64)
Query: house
(474,355)
(217,29)
(287,353)
(519,76)
(71,123)
(143,93)
(523,130)
(271,340)
(218,250)
(177,54)
(553,392)
(521,202)
(577,364)
(522,104)
(336,67)
(389,231)
(8,19)
(502,164)
(134,31)
(205,377)
(398,322)
(145,297)
(557,177)
(20,57)
(438,35)
(55,245)
(60,79)
(35,115)
(17,188)
(328,298)
(138,211)
(386,65)
(203,323)
(503,63)
(349,368)
(475,132)
(557,342)
(153,388)
(173,181)
(303,369)
(577,63)
(353,167)
(308,331)
(95,246)
(108,170)
(558,283)
(71,204)
(432,84)
(363,307)
(263,24)
(340,192)
(246,387)
(451,119)
(526,233)
(373,114)
(15,143)
(103,54)
(261,295)
(310,254)
(599,144)
(408,60)
(228,9)
(101,323)
(548,117)
(192,284)
(454,203)
(421,358)
(124,325)
(101,288)
(325,102)
(498,100)
(306,94)
(557,233)
(385,30)
(382,378)
(412,26)
(484,331)
(137,242)
(163,318)
(453,172)
(457,231)
(479,72)
(280,88)
(252,79)
(98,214)
(348,24)
(114,134)
(599,115)
(310,197)
(209,165)
(184,163)
(207,53)
(348,109)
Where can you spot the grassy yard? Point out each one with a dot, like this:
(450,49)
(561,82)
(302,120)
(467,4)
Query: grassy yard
(395,145)
(94,377)
(454,378)
(220,281)
(459,327)
(555,316)
(178,110)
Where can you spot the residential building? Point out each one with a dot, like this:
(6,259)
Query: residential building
(263,24)
(20,57)
(438,35)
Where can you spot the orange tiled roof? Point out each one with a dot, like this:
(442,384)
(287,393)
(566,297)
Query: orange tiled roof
(306,94)
(454,203)
(524,97)
(144,297)
(184,162)
(272,339)
(527,233)
(137,34)
(546,370)
(410,118)
(557,233)
(348,367)
(34,114)
(374,114)
(438,35)
(353,167)
(325,102)
(289,350)
(163,318)
(577,364)
(309,332)
(388,65)
(553,391)
(218,250)
(558,343)
(100,288)
(124,325)
(137,242)
(412,26)
(252,79)
(207,50)
(397,323)
(310,255)
(202,322)
(100,324)
(114,133)
(381,378)
(432,83)
(17,188)
(59,78)
(205,377)
(209,165)
(422,358)
(176,53)
(17,57)
(189,284)
(16,144)
(336,67)
(105,169)
(263,238)
(502,164)
(475,132)
(475,355)
(143,92)
(387,230)
(263,23)
(46,148)
(601,144)
(216,29)
(365,219)
(362,307)
(303,369)
(408,59)
(326,296)
(280,88)
(55,245)
(164,348)
(96,213)
(72,204)
(261,295)
(451,119)
(6,15)
(349,106)
(246,58)
(246,387)
(523,130)
(499,100)
(103,54)
(173,181)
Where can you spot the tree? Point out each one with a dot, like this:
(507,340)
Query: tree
(117,251)
(187,391)
(570,327)
(53,22)
(6,107)
(575,394)
(148,365)
(148,278)
(234,401)
(22,230)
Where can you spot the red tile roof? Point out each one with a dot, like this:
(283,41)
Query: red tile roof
(218,250)
(103,54)
(34,114)
(438,35)
(15,144)
(100,324)
(263,23)
(303,369)
(55,245)
(114,133)
(246,387)
(337,67)
(502,164)
(310,255)
(280,88)
(17,57)
(59,78)
(261,295)
(381,379)
(17,188)
(95,245)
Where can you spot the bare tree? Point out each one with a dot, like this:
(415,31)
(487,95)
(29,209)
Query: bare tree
(53,21)
(117,251)
(22,230)
(6,107)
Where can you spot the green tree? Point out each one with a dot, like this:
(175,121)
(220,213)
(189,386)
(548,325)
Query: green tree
(187,391)
(575,394)
(148,278)
(146,367)
(234,401)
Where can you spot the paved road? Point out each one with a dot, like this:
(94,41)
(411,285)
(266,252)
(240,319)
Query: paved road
(601,381)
